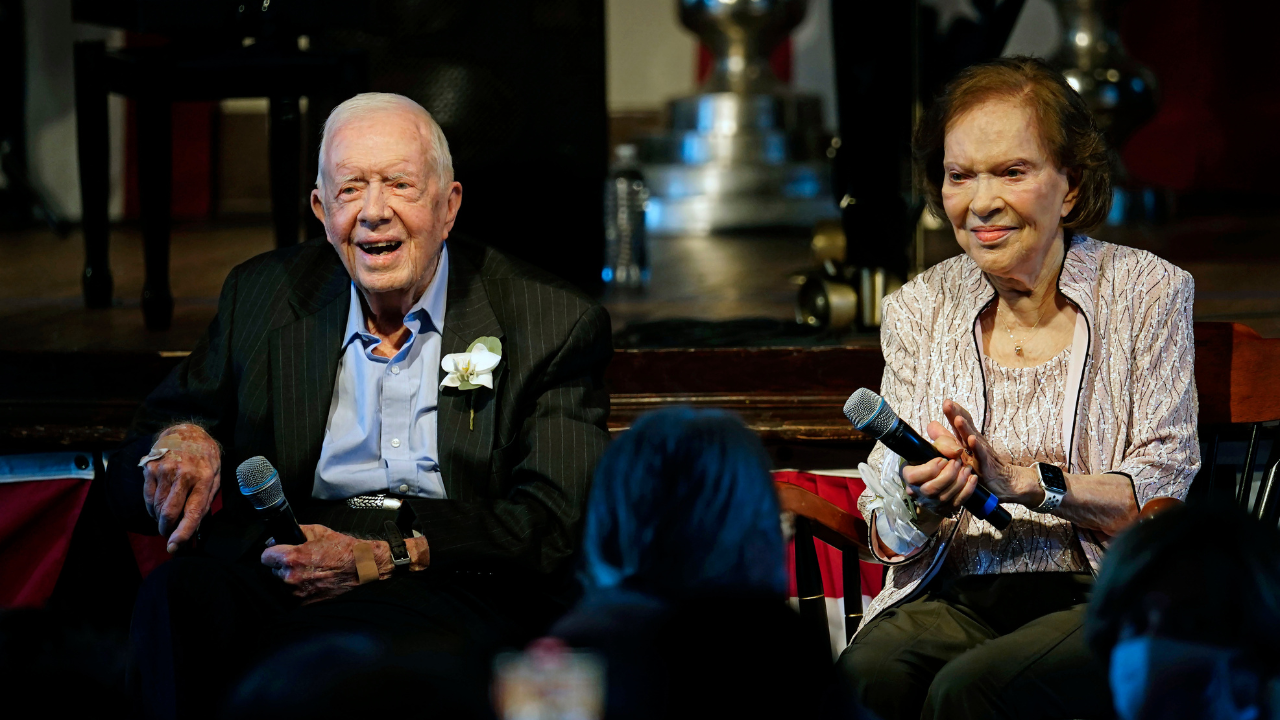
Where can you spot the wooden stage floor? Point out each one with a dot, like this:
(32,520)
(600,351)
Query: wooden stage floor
(1235,261)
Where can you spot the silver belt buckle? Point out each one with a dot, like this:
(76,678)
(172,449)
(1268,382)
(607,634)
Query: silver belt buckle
(377,501)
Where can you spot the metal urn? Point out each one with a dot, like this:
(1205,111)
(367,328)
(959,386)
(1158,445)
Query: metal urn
(745,151)
(1121,93)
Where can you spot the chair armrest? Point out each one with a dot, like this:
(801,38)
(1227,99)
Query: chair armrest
(1155,506)
(836,527)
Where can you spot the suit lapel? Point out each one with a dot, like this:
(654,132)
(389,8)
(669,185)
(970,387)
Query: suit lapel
(463,448)
(304,365)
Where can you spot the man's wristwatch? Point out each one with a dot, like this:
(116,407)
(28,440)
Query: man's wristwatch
(1054,484)
(399,552)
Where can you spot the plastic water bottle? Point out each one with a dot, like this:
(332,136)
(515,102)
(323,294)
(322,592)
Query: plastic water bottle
(626,252)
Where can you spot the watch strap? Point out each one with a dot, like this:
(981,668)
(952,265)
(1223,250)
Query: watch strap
(1053,494)
(399,551)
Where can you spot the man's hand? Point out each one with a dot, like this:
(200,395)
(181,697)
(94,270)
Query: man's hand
(325,565)
(179,488)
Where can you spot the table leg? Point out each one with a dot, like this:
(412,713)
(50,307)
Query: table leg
(286,159)
(92,150)
(155,190)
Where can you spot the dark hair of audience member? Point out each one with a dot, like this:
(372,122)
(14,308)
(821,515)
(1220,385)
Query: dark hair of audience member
(683,505)
(1206,574)
(57,666)
(343,675)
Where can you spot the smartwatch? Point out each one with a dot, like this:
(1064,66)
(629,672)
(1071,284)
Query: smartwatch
(399,552)
(1054,484)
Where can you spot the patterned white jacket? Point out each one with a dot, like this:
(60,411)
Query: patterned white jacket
(1130,404)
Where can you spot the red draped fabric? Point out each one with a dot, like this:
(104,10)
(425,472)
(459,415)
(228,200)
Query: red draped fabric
(36,520)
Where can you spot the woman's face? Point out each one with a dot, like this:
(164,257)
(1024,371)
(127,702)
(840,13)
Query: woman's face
(1004,195)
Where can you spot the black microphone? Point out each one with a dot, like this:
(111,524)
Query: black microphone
(871,414)
(261,484)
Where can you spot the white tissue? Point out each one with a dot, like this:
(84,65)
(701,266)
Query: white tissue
(893,517)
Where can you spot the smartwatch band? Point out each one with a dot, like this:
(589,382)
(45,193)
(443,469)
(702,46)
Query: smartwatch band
(1054,485)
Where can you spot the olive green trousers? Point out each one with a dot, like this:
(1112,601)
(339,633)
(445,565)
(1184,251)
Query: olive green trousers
(982,646)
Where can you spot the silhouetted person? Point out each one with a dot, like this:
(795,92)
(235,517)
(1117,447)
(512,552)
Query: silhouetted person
(60,668)
(1187,612)
(342,676)
(685,581)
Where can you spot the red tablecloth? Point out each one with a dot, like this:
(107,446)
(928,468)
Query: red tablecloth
(842,492)
(36,520)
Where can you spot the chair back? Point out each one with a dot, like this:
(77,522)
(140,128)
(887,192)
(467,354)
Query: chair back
(1236,380)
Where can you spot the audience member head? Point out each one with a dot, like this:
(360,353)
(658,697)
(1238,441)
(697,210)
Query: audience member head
(1187,612)
(683,505)
(339,676)
(386,195)
(60,667)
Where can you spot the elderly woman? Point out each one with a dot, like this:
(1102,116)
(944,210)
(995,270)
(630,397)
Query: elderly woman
(1055,370)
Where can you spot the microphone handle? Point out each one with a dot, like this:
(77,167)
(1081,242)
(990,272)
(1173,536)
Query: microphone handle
(282,525)
(913,448)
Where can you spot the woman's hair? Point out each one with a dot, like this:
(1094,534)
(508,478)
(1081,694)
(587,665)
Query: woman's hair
(1210,572)
(683,505)
(1067,129)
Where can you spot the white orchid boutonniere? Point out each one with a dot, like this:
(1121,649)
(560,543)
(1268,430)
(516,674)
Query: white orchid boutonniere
(473,368)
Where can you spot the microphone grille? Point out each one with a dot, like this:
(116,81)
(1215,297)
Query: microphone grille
(259,482)
(870,413)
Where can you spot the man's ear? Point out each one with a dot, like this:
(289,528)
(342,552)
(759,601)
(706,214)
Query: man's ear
(452,202)
(317,205)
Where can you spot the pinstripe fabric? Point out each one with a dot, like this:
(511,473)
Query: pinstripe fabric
(262,379)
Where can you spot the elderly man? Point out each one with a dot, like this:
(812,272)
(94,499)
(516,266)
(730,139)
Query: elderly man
(350,367)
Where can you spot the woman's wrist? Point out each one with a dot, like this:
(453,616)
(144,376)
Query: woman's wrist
(1023,485)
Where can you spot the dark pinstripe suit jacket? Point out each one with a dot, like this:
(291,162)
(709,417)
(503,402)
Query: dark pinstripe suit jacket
(262,380)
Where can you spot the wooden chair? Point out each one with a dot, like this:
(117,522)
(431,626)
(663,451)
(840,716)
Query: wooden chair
(816,517)
(1236,378)
(1234,368)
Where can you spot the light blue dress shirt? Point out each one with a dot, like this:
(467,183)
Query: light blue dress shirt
(381,433)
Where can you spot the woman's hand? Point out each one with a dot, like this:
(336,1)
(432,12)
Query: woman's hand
(1009,483)
(941,485)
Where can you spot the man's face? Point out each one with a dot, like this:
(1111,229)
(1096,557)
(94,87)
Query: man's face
(382,205)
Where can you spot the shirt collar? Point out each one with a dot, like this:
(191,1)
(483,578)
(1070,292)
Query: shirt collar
(431,305)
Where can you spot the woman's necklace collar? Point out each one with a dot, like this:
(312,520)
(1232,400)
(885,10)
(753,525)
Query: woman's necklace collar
(1019,346)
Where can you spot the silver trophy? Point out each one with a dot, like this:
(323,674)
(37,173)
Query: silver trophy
(1121,93)
(745,151)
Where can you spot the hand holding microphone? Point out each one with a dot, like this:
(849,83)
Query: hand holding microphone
(318,563)
(871,414)
(943,484)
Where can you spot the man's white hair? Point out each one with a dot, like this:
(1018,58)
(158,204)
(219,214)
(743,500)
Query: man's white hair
(438,157)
